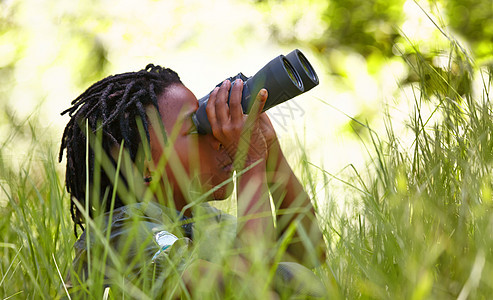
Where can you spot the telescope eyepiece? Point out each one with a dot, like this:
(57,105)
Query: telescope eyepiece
(293,75)
(307,67)
(305,70)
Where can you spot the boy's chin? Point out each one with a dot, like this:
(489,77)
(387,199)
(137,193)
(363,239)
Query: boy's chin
(208,182)
(224,192)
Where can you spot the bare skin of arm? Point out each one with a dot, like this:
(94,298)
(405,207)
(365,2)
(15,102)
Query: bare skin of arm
(243,139)
(289,195)
(270,171)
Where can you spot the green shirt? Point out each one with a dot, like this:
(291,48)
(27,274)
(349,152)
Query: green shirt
(151,238)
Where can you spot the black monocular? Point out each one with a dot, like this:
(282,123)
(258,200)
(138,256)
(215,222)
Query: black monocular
(284,77)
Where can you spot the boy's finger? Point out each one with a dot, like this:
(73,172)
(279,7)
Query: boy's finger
(235,101)
(257,107)
(211,109)
(259,103)
(222,109)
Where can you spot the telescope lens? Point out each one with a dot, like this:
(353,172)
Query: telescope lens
(293,75)
(306,65)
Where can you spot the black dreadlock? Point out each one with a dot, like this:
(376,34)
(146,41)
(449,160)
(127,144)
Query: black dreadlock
(112,105)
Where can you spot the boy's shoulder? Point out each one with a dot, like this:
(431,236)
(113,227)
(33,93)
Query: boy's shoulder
(153,218)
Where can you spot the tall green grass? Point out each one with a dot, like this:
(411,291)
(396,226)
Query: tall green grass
(419,223)
(35,229)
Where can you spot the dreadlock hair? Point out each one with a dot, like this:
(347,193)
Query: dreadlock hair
(113,105)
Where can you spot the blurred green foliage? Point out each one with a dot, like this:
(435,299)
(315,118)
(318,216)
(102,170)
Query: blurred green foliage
(45,50)
(423,221)
(373,27)
(473,21)
(367,27)
(378,31)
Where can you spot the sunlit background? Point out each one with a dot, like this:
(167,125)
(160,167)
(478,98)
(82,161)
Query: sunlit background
(51,51)
(394,145)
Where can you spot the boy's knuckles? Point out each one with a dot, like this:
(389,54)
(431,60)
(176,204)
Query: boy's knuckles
(216,132)
(237,128)
(228,131)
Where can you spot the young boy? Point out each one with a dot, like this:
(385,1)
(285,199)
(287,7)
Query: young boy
(159,172)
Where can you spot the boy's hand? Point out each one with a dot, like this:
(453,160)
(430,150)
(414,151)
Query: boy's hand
(244,142)
(240,135)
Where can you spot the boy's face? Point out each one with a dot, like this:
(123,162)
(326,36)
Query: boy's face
(193,156)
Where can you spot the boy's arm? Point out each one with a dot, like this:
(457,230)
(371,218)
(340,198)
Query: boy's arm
(245,144)
(256,226)
(260,151)
(293,203)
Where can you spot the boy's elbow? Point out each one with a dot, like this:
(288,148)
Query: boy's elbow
(310,257)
